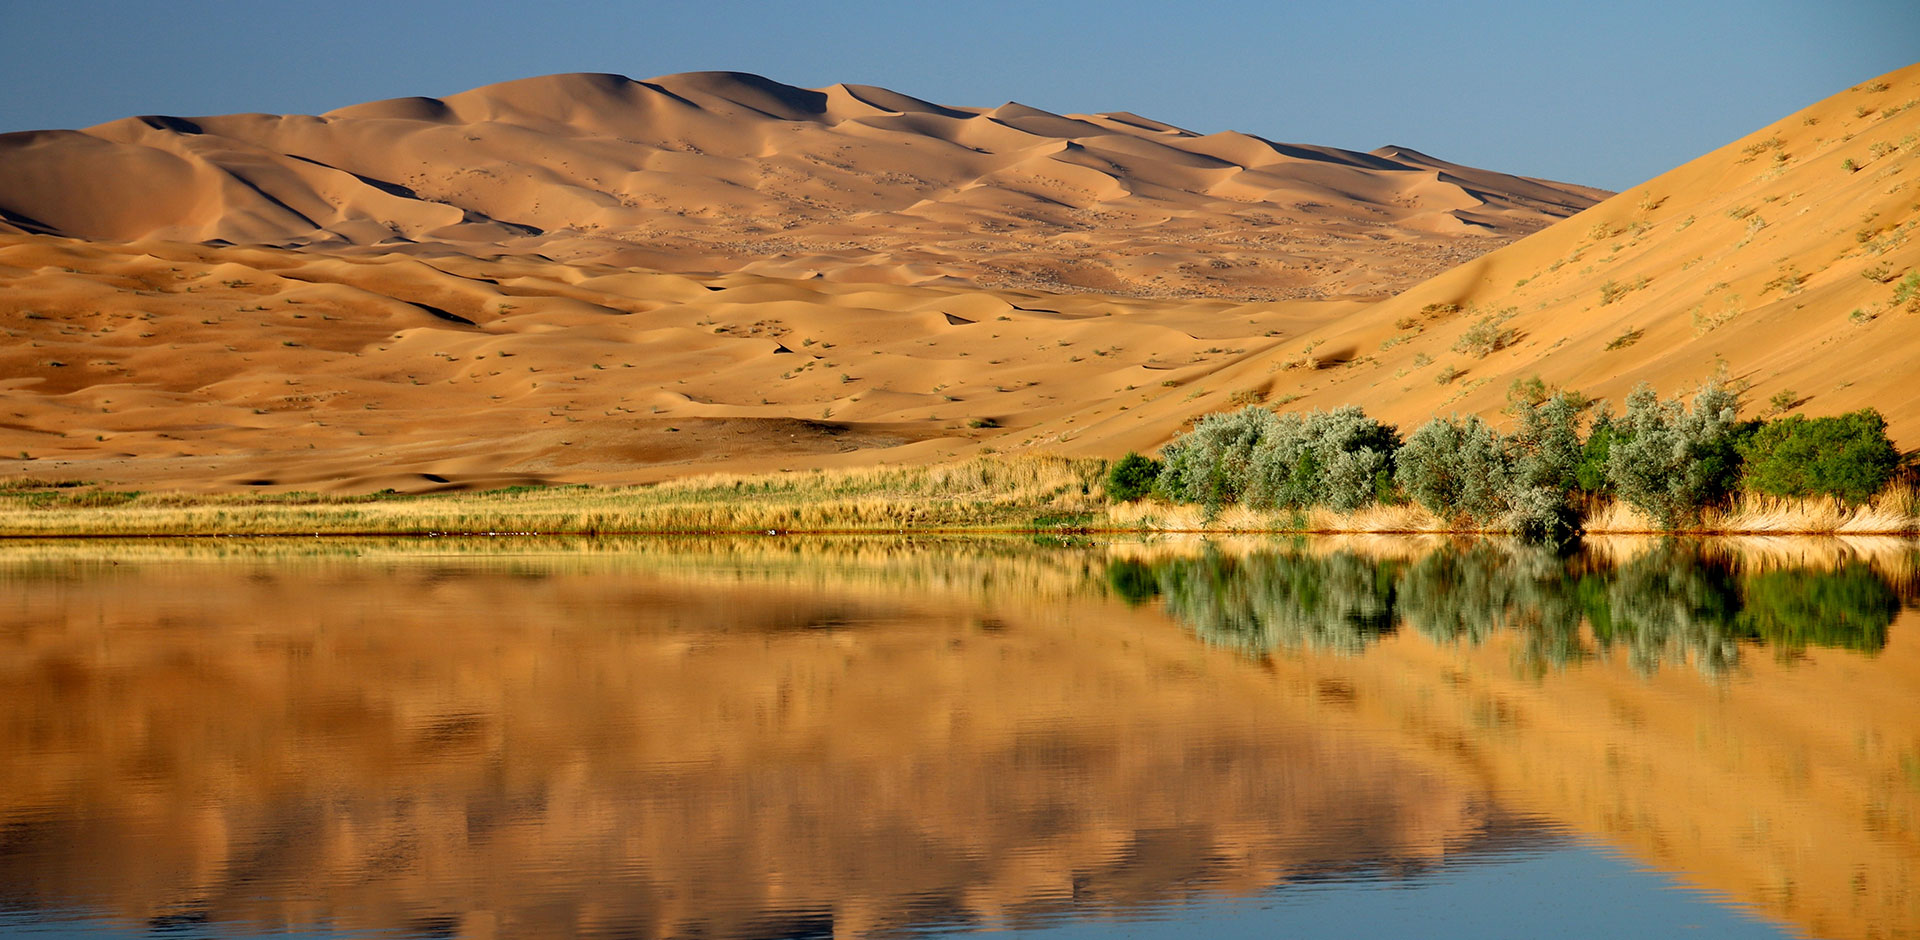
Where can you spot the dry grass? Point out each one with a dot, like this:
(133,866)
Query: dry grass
(1894,512)
(1028,492)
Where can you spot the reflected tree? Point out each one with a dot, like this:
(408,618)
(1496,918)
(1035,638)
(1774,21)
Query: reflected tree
(1675,604)
(1672,604)
(1259,603)
(1849,608)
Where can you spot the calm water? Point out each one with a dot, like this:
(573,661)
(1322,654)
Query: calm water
(862,738)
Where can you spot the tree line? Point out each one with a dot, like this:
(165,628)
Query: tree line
(1666,458)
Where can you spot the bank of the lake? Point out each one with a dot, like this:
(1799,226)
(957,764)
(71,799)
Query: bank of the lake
(1030,493)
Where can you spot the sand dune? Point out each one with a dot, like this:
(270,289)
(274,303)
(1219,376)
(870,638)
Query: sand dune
(717,172)
(161,364)
(1776,260)
(418,364)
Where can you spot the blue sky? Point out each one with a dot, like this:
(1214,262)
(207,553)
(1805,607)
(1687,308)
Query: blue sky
(1606,94)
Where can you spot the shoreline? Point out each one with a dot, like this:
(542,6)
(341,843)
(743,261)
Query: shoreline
(1027,495)
(941,531)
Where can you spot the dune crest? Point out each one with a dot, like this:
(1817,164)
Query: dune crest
(714,172)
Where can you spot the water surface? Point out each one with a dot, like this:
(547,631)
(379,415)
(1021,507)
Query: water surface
(789,738)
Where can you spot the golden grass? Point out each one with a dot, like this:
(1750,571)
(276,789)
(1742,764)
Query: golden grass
(1027,492)
(1894,512)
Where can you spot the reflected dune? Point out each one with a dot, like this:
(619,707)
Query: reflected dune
(525,745)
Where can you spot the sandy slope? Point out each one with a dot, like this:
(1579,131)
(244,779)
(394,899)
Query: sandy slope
(1768,258)
(417,366)
(721,172)
(204,367)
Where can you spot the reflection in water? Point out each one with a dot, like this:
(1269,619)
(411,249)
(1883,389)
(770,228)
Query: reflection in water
(867,737)
(702,744)
(1675,603)
(1256,603)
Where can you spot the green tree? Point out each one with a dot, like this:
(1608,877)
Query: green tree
(1848,457)
(1457,468)
(1212,464)
(1670,461)
(1132,477)
(1337,459)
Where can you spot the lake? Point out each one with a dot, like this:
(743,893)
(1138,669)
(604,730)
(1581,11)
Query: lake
(787,737)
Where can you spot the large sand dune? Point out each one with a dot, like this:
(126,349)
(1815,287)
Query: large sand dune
(717,172)
(350,359)
(1776,260)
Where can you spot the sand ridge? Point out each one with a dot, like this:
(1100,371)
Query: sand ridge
(713,172)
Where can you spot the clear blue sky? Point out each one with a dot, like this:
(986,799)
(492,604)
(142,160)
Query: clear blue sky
(1602,93)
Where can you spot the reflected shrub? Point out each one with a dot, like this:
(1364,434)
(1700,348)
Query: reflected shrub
(1464,595)
(1671,605)
(1850,608)
(1260,603)
(1132,581)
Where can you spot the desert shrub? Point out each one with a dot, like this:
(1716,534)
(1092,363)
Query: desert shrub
(1456,468)
(1212,464)
(1670,461)
(1132,477)
(1907,292)
(1486,336)
(1848,457)
(1544,454)
(1546,448)
(1526,392)
(1341,459)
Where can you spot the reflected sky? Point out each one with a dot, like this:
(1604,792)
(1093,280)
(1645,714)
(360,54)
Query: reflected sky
(872,738)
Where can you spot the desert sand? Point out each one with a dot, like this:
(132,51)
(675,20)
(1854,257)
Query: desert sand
(722,172)
(455,293)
